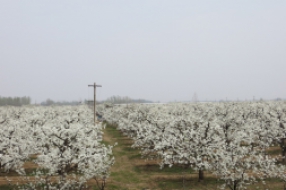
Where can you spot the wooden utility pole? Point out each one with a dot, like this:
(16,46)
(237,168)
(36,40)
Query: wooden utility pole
(94,99)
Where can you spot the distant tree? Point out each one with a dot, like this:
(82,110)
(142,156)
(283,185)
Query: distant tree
(49,102)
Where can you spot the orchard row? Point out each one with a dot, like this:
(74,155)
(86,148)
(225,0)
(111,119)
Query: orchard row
(230,140)
(62,141)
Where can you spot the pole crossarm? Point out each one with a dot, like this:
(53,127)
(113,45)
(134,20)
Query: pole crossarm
(94,87)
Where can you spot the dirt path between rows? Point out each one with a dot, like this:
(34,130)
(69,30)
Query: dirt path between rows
(125,173)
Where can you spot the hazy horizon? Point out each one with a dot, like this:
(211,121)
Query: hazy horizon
(155,50)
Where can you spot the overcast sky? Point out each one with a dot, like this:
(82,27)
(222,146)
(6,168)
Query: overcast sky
(160,50)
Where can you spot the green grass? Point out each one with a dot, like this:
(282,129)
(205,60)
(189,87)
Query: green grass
(155,168)
(5,187)
(125,176)
(186,182)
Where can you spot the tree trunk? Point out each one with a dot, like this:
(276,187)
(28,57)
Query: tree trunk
(283,146)
(234,186)
(201,175)
(283,154)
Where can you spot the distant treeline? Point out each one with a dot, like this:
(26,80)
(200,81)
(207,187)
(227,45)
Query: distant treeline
(112,99)
(49,102)
(15,101)
(125,100)
(19,101)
